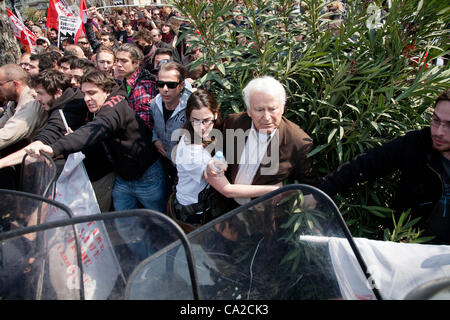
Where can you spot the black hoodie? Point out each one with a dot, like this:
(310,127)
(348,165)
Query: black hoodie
(75,111)
(126,137)
(76,114)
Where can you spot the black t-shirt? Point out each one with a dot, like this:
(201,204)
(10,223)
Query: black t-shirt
(167,112)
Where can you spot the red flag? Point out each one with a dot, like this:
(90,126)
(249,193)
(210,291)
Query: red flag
(25,36)
(55,9)
(81,21)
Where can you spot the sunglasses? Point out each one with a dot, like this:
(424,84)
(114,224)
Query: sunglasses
(169,84)
(83,42)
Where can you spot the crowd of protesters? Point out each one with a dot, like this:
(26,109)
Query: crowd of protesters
(125,88)
(130,45)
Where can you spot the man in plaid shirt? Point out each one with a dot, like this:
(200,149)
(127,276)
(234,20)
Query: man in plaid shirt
(138,81)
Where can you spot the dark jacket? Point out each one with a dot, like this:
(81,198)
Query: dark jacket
(92,37)
(121,35)
(294,146)
(75,111)
(76,114)
(126,137)
(421,180)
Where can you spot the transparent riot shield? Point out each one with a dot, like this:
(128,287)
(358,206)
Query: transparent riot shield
(275,247)
(76,258)
(38,175)
(22,264)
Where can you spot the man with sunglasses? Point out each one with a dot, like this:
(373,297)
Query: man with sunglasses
(168,107)
(83,43)
(168,110)
(423,158)
(156,16)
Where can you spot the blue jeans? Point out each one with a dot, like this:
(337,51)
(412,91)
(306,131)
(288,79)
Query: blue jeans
(147,192)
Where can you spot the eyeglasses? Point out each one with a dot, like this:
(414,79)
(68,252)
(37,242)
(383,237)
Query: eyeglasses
(205,122)
(83,43)
(169,84)
(436,123)
(2,83)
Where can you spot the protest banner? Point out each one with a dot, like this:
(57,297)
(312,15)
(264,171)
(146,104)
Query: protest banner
(100,267)
(25,36)
(81,20)
(67,28)
(56,9)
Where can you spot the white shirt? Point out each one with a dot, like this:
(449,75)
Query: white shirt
(251,157)
(191,161)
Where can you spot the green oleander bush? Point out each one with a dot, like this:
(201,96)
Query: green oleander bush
(352,83)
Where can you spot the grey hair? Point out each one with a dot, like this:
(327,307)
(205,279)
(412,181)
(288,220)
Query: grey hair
(265,84)
(135,53)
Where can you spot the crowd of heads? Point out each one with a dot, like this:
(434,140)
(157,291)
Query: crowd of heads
(123,40)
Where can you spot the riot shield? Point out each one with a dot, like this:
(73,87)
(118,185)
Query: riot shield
(81,257)
(275,247)
(23,264)
(38,175)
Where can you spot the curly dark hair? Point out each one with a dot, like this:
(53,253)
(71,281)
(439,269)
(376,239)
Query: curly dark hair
(51,80)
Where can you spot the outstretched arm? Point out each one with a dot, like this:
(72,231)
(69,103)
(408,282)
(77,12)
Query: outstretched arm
(222,185)
(17,157)
(36,150)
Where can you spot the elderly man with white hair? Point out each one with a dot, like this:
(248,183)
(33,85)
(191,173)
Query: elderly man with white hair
(262,146)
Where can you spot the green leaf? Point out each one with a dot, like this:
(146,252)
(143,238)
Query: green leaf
(331,135)
(341,133)
(290,221)
(296,226)
(375,125)
(221,68)
(317,150)
(349,92)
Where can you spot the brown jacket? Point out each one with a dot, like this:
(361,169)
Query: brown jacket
(294,146)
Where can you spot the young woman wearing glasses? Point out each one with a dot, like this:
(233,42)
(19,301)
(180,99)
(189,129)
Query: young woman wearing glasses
(194,202)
